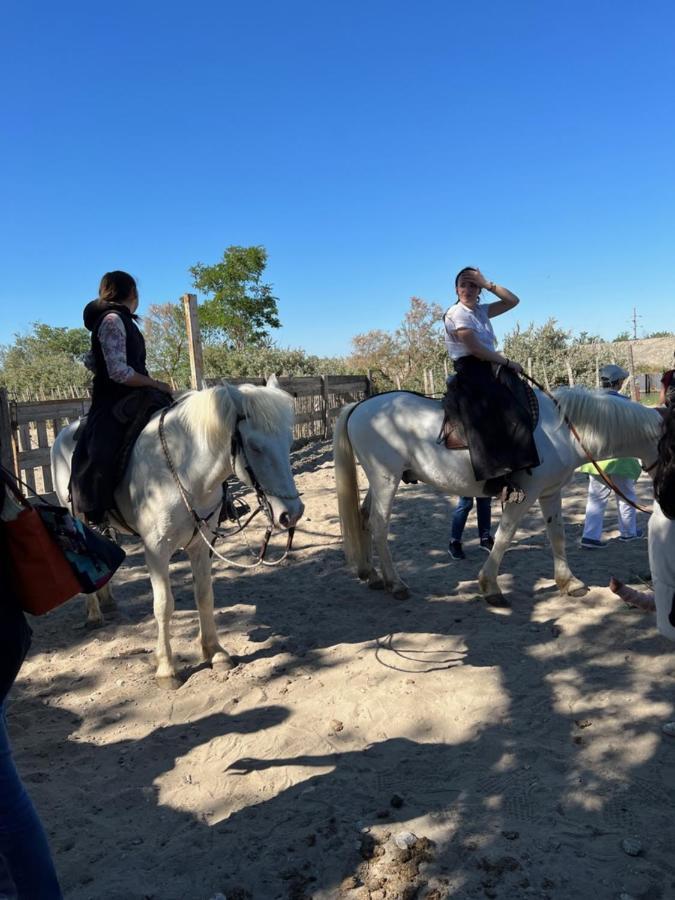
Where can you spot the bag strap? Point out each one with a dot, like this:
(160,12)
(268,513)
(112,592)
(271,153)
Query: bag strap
(13,481)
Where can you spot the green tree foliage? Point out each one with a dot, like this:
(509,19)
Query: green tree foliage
(166,343)
(45,360)
(622,336)
(401,357)
(555,354)
(659,334)
(221,362)
(241,307)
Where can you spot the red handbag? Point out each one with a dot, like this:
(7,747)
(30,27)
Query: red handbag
(40,572)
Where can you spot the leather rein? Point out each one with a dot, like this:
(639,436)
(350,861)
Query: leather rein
(236,450)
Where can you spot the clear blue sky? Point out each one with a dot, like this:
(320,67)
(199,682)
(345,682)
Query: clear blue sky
(374,148)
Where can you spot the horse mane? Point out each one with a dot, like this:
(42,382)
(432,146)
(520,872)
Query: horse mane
(599,416)
(210,415)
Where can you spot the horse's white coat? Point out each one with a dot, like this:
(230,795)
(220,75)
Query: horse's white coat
(198,434)
(396,432)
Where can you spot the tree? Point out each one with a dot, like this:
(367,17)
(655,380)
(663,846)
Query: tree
(420,338)
(658,334)
(44,360)
(621,336)
(402,356)
(167,344)
(241,308)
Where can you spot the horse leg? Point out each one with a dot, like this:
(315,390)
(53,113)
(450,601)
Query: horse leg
(487,577)
(551,509)
(383,489)
(203,587)
(163,607)
(106,599)
(94,617)
(368,572)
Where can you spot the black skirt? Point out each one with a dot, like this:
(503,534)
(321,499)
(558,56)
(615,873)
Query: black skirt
(104,445)
(496,418)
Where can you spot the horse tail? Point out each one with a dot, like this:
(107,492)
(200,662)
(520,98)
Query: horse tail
(354,536)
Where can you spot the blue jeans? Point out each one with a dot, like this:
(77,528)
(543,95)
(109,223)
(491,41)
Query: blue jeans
(461,513)
(26,868)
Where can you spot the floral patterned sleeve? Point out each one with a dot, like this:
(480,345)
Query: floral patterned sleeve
(113,338)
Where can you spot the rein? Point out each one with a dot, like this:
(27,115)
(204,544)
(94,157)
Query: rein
(263,504)
(603,475)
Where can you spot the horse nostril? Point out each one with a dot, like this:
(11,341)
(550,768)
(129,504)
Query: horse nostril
(284,520)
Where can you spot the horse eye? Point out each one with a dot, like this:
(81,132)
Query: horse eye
(254,448)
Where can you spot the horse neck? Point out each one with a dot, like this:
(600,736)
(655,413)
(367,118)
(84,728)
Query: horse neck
(199,467)
(622,442)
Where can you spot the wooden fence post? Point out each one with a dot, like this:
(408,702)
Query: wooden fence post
(369,384)
(547,384)
(529,366)
(597,370)
(324,402)
(432,386)
(194,341)
(570,376)
(6,453)
(631,368)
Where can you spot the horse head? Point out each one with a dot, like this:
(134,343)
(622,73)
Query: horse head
(261,446)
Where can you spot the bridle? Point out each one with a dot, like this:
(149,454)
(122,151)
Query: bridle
(236,451)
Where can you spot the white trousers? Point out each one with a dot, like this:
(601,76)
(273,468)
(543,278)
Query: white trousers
(598,495)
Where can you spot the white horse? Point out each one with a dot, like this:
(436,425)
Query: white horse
(210,435)
(397,432)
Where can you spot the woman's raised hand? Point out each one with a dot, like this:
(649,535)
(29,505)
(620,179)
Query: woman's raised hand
(480,279)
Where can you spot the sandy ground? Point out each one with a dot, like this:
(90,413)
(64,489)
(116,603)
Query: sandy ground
(521,749)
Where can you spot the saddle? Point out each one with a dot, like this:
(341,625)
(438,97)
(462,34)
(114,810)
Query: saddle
(452,433)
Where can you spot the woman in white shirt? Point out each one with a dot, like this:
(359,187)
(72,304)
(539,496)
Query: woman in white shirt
(489,396)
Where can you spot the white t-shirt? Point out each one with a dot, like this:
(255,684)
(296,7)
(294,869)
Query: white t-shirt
(477,320)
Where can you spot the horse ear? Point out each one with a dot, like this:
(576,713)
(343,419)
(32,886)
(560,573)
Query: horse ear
(273,381)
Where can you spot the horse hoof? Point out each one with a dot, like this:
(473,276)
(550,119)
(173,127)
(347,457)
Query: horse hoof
(578,592)
(498,600)
(401,593)
(223,662)
(91,624)
(168,682)
(376,584)
(109,606)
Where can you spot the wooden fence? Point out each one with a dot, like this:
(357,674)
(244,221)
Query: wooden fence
(28,429)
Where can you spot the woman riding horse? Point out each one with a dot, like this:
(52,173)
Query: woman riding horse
(123,396)
(497,425)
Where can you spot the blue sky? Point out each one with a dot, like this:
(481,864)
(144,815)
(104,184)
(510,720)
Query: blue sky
(373,148)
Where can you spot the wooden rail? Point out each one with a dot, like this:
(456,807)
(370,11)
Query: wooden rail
(28,429)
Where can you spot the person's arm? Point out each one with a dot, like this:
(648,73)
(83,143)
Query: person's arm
(470,340)
(507,300)
(662,396)
(113,338)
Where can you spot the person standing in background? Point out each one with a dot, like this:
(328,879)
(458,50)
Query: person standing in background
(459,517)
(624,473)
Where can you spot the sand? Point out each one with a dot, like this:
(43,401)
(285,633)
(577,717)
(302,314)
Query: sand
(521,749)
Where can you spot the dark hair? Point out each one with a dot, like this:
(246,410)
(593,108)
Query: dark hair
(116,287)
(664,480)
(462,271)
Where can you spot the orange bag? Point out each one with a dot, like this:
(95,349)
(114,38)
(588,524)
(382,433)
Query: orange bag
(39,570)
(41,574)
